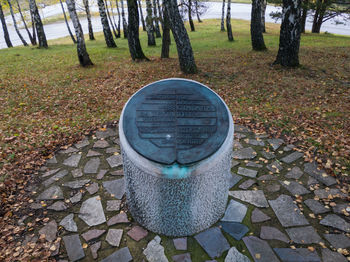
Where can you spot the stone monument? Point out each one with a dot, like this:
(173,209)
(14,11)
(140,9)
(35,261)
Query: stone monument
(176,137)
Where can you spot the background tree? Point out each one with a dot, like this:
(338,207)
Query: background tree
(288,52)
(223,16)
(4,27)
(190,20)
(110,20)
(166,36)
(104,21)
(68,27)
(32,40)
(83,56)
(38,24)
(160,13)
(196,4)
(149,24)
(133,32)
(263,13)
(15,24)
(88,17)
(305,9)
(118,11)
(141,13)
(256,28)
(125,25)
(183,44)
(156,19)
(33,25)
(228,21)
(114,22)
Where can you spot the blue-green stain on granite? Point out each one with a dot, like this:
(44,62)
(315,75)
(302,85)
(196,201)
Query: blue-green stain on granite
(176,171)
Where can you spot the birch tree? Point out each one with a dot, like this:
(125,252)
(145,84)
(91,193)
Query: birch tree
(125,25)
(119,19)
(88,17)
(104,21)
(66,21)
(141,14)
(166,36)
(110,20)
(32,40)
(15,24)
(4,27)
(223,16)
(228,21)
(38,24)
(256,28)
(156,19)
(149,24)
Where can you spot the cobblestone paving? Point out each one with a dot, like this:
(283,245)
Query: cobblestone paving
(280,208)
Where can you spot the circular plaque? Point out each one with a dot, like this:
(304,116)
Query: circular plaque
(175,120)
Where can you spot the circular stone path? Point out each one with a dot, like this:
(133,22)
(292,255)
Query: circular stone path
(280,208)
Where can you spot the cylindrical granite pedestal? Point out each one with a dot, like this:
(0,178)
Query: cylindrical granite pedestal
(176,137)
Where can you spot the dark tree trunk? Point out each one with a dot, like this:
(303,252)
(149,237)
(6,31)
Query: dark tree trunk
(118,11)
(190,20)
(25,24)
(305,6)
(68,27)
(197,12)
(88,17)
(125,25)
(156,19)
(321,6)
(228,21)
(110,20)
(288,52)
(133,32)
(149,24)
(256,33)
(141,13)
(166,36)
(263,11)
(223,16)
(15,24)
(160,13)
(83,56)
(106,29)
(183,44)
(4,27)
(114,22)
(38,25)
(33,26)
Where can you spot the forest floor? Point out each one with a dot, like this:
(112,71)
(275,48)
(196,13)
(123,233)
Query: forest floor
(47,100)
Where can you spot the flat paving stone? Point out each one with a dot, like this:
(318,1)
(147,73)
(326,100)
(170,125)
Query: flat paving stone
(233,180)
(247,184)
(76,184)
(114,236)
(295,173)
(101,174)
(52,160)
(93,188)
(77,173)
(93,234)
(273,188)
(275,143)
(235,212)
(49,230)
(338,240)
(58,206)
(105,133)
(73,160)
(275,167)
(268,155)
(256,142)
(234,163)
(237,145)
(288,148)
(50,172)
(254,197)
(304,235)
(92,166)
(122,255)
(234,229)
(247,172)
(253,164)
(115,161)
(294,187)
(74,248)
(69,150)
(69,224)
(94,248)
(287,212)
(244,153)
(115,187)
(213,242)
(259,249)
(297,255)
(112,150)
(292,157)
(233,255)
(182,258)
(242,129)
(259,216)
(330,256)
(341,208)
(91,211)
(154,251)
(315,206)
(101,144)
(320,175)
(267,177)
(137,233)
(82,144)
(239,135)
(55,178)
(93,153)
(270,233)
(180,243)
(117,172)
(118,219)
(52,193)
(76,198)
(113,205)
(333,192)
(312,181)
(335,221)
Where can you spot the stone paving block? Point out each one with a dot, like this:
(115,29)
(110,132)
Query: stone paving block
(273,188)
(92,166)
(154,251)
(101,144)
(242,129)
(338,240)
(234,255)
(94,248)
(275,143)
(74,248)
(118,219)
(115,187)
(267,177)
(58,206)
(137,233)
(259,216)
(91,211)
(233,180)
(121,255)
(180,243)
(77,173)
(76,183)
(247,172)
(115,161)
(292,157)
(76,198)
(253,164)
(235,212)
(50,172)
(297,255)
(93,153)
(269,233)
(320,175)
(247,184)
(182,258)
(114,236)
(295,173)
(69,224)
(103,134)
(268,155)
(52,160)
(93,234)
(275,167)
(333,192)
(52,193)
(304,235)
(254,197)
(234,229)
(341,208)
(294,187)
(69,150)
(315,206)
(113,205)
(244,153)
(101,174)
(73,160)
(330,256)
(82,144)
(49,230)
(55,178)
(256,142)
(335,221)
(260,249)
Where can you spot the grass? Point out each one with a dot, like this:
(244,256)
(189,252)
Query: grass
(46,97)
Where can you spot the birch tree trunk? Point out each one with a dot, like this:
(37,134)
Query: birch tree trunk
(156,19)
(288,52)
(38,24)
(83,56)
(125,25)
(133,32)
(305,8)
(33,26)
(166,36)
(263,12)
(183,44)
(223,16)
(256,33)
(4,27)
(88,17)
(141,13)
(68,27)
(15,24)
(197,12)
(106,29)
(160,13)
(228,21)
(114,22)
(110,20)
(149,24)
(25,24)
(190,20)
(118,11)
